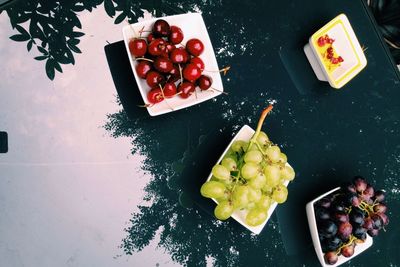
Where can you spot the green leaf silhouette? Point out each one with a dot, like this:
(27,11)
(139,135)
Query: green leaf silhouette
(120,18)
(19,37)
(109,7)
(50,69)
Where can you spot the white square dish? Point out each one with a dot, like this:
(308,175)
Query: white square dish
(346,45)
(193,26)
(245,134)
(312,223)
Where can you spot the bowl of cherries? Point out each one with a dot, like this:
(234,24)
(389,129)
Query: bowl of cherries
(344,221)
(173,62)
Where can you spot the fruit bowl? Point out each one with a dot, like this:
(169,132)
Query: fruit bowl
(192,26)
(245,134)
(344,44)
(312,222)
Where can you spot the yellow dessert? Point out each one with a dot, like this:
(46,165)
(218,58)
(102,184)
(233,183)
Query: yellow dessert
(330,57)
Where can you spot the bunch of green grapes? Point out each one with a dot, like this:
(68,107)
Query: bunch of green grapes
(250,177)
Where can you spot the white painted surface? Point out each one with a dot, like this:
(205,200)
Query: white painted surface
(67,189)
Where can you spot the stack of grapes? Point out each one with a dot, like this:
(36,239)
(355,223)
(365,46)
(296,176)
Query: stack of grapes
(251,176)
(345,217)
(169,67)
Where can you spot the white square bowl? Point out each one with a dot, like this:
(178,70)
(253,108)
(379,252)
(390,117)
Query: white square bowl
(346,45)
(192,25)
(245,134)
(312,223)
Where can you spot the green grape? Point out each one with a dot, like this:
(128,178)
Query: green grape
(221,172)
(239,146)
(253,147)
(267,189)
(256,217)
(262,138)
(287,173)
(264,203)
(223,210)
(253,156)
(272,172)
(249,170)
(229,163)
(212,189)
(280,193)
(254,194)
(259,181)
(273,153)
(240,196)
(282,158)
(250,206)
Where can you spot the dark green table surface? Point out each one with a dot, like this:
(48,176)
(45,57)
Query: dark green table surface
(329,135)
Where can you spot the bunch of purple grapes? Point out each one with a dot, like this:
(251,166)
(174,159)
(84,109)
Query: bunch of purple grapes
(345,217)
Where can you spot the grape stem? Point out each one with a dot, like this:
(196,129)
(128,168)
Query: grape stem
(264,114)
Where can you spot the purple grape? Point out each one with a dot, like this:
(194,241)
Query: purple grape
(348,251)
(331,244)
(340,217)
(356,216)
(360,184)
(384,218)
(373,232)
(379,196)
(344,230)
(360,232)
(368,223)
(331,257)
(321,214)
(350,188)
(368,193)
(378,223)
(380,208)
(327,228)
(324,202)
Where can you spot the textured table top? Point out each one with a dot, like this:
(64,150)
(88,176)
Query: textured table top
(328,135)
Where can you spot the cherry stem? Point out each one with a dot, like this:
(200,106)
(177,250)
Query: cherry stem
(133,29)
(259,125)
(224,70)
(180,72)
(165,99)
(145,105)
(219,90)
(143,58)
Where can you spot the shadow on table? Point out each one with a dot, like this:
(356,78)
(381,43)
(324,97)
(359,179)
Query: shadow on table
(124,80)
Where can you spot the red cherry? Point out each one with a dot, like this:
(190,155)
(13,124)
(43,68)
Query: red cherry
(161,28)
(153,78)
(157,47)
(191,72)
(142,68)
(340,59)
(138,47)
(204,82)
(199,62)
(179,55)
(170,89)
(163,64)
(170,47)
(195,47)
(155,96)
(150,38)
(334,60)
(176,35)
(186,89)
(175,72)
(321,41)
